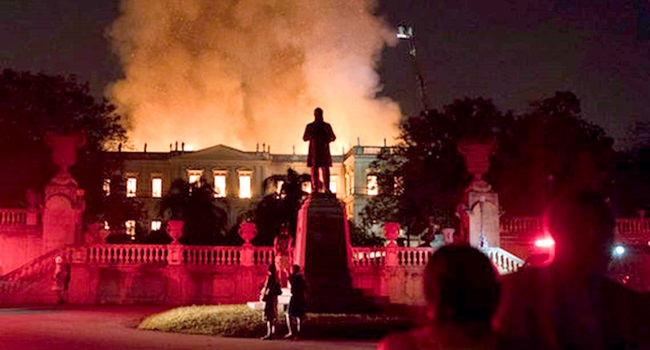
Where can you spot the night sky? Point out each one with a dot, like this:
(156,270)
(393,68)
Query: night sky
(510,51)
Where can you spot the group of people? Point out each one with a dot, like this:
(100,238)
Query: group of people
(295,312)
(279,276)
(567,304)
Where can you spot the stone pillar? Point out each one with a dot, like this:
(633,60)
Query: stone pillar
(64,200)
(247,231)
(481,205)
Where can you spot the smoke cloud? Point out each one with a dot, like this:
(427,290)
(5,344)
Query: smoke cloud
(241,72)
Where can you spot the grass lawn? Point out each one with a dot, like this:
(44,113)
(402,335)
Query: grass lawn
(240,321)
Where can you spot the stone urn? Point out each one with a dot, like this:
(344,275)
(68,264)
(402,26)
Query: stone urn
(247,232)
(175,230)
(477,158)
(391,232)
(64,154)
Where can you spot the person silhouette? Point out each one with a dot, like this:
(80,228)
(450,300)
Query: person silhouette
(296,308)
(320,135)
(568,303)
(462,294)
(269,295)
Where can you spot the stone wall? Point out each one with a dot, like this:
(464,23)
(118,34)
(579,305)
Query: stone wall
(18,245)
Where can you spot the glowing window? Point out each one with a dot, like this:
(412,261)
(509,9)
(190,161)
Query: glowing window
(194,176)
(306,186)
(278,186)
(373,188)
(130,227)
(131,186)
(333,181)
(219,183)
(106,187)
(156,187)
(156,225)
(245,183)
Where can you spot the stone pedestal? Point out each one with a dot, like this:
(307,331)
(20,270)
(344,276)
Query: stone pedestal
(480,211)
(323,251)
(64,200)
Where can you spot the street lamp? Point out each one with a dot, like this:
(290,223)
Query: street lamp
(406,33)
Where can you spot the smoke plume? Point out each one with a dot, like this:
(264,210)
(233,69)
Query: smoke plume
(239,72)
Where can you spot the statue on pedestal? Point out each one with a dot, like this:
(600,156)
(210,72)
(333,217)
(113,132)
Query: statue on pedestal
(320,135)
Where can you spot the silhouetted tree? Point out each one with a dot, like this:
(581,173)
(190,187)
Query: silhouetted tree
(33,104)
(279,209)
(548,151)
(194,204)
(425,175)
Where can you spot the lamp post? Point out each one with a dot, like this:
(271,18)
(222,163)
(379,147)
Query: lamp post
(406,33)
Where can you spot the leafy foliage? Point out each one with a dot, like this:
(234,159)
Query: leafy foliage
(540,154)
(33,104)
(425,175)
(277,210)
(549,150)
(194,204)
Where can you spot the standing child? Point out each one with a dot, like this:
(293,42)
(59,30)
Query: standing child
(296,309)
(269,296)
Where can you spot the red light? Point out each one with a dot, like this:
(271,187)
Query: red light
(545,242)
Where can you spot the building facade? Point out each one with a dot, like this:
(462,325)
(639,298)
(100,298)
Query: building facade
(240,179)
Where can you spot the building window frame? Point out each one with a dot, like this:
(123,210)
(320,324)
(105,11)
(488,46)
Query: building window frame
(131,185)
(156,186)
(220,179)
(245,178)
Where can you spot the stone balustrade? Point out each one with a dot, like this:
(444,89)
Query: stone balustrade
(504,261)
(413,256)
(18,217)
(366,256)
(624,226)
(217,255)
(122,254)
(520,225)
(633,226)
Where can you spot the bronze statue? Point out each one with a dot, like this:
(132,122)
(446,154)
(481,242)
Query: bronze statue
(319,134)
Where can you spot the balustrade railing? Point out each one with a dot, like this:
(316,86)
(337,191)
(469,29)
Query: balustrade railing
(503,260)
(127,254)
(413,256)
(366,256)
(520,225)
(627,226)
(624,226)
(217,255)
(18,217)
(263,255)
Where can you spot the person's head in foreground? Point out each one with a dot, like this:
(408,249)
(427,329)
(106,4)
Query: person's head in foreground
(461,288)
(581,225)
(296,269)
(462,294)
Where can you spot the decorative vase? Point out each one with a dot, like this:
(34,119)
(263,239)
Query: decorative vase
(64,154)
(391,232)
(477,158)
(247,231)
(175,230)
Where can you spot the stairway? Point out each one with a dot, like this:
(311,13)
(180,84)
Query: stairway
(31,283)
